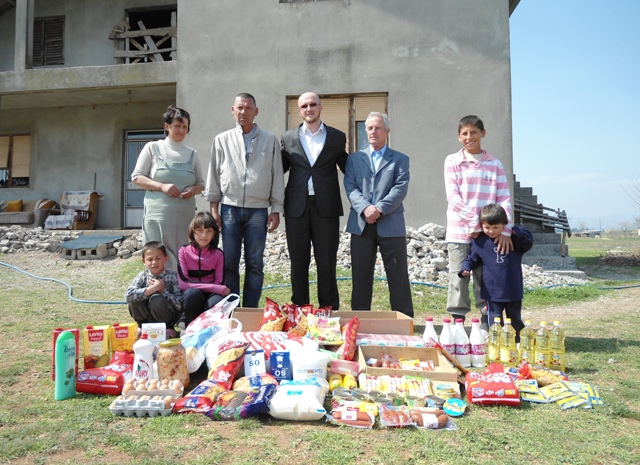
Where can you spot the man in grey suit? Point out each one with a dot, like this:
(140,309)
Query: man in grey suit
(312,153)
(376,181)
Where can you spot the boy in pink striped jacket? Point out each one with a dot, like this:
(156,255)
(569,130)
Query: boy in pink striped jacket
(473,179)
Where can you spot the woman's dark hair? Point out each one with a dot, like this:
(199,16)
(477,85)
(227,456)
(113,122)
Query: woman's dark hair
(174,112)
(493,214)
(471,120)
(204,220)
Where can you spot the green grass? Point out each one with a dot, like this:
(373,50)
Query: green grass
(603,348)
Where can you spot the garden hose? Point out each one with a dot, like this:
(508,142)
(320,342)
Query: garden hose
(279,286)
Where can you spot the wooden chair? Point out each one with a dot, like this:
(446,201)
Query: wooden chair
(78,210)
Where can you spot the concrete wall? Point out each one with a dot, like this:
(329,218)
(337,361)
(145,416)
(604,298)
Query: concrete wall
(72,144)
(437,60)
(88,24)
(7,38)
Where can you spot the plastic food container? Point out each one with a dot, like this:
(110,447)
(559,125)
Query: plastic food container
(172,361)
(309,364)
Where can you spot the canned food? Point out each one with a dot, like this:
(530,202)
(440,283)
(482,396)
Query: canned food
(349,382)
(435,401)
(415,401)
(383,400)
(343,393)
(363,397)
(335,381)
(445,391)
(396,398)
(377,394)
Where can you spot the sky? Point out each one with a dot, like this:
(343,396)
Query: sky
(575,70)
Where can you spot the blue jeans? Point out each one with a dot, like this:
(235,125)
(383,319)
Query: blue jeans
(248,225)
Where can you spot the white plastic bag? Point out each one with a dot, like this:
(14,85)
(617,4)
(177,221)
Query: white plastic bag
(212,317)
(299,400)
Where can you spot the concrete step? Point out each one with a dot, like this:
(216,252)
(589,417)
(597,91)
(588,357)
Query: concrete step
(550,263)
(569,273)
(546,238)
(542,250)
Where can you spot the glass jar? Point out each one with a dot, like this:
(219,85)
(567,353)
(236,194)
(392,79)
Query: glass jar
(172,362)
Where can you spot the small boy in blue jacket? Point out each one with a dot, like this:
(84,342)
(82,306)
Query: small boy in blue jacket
(501,285)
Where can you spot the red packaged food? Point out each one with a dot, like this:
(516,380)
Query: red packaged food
(107,380)
(201,399)
(229,361)
(273,318)
(349,335)
(491,388)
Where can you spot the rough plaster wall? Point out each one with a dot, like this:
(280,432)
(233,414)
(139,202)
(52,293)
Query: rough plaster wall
(89,22)
(71,144)
(7,34)
(437,60)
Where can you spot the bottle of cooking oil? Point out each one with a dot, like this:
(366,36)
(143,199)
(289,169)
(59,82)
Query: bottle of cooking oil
(527,344)
(494,340)
(508,349)
(543,353)
(556,343)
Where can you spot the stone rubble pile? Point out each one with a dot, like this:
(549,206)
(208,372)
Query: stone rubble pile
(426,253)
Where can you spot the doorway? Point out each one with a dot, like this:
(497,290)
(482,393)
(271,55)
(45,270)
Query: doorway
(134,195)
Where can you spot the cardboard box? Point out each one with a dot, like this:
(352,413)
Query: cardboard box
(443,371)
(373,322)
(370,322)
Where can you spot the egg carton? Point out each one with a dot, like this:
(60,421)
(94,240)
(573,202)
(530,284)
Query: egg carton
(140,408)
(156,392)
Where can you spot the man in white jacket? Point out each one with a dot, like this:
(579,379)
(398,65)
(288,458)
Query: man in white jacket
(244,180)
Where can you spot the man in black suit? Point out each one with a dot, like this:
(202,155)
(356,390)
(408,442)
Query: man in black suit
(312,153)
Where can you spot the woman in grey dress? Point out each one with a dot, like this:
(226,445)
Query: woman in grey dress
(171,173)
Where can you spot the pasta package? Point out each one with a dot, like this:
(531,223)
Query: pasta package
(273,318)
(325,331)
(229,361)
(201,399)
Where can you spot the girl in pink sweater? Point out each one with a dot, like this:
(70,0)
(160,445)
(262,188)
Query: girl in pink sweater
(201,267)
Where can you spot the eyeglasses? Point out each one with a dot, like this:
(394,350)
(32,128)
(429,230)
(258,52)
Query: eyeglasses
(308,105)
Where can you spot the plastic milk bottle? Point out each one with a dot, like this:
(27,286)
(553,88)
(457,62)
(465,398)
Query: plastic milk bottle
(429,332)
(143,359)
(447,341)
(463,347)
(478,345)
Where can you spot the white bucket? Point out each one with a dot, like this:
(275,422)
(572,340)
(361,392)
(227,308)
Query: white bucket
(309,364)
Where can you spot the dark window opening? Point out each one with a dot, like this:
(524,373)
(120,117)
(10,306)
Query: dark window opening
(48,41)
(155,18)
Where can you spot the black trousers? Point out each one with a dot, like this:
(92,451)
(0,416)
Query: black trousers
(196,302)
(364,249)
(324,234)
(155,309)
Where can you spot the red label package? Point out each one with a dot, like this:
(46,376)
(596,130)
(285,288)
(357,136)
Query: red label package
(490,388)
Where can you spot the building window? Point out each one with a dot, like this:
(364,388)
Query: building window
(48,41)
(146,35)
(344,112)
(15,160)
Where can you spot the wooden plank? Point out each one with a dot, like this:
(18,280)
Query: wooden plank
(150,43)
(159,31)
(139,53)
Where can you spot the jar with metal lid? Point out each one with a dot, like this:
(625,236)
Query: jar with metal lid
(172,361)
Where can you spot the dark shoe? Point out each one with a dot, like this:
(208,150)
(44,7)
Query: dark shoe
(484,322)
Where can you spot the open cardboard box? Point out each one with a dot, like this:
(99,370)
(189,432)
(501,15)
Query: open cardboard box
(372,322)
(442,371)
